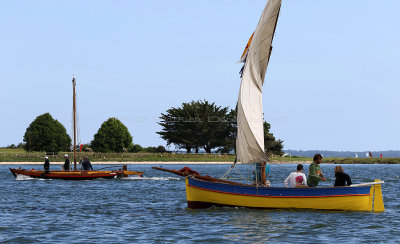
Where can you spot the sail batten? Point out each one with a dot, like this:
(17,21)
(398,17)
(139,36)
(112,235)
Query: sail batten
(250,136)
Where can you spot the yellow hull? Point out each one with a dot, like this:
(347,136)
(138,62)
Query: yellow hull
(352,202)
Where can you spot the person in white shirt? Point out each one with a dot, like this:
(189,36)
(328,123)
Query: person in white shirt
(296,179)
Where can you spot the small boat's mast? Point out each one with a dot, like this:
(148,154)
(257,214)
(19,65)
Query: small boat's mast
(74,117)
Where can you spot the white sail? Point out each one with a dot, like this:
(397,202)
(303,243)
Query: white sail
(250,135)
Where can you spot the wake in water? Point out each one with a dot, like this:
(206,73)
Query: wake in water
(23,177)
(26,177)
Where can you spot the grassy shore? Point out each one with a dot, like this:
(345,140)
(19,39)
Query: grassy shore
(22,156)
(19,155)
(362,160)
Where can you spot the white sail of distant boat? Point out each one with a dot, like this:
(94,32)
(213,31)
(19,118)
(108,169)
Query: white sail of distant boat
(356,155)
(250,136)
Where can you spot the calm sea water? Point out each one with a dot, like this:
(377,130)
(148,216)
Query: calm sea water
(153,210)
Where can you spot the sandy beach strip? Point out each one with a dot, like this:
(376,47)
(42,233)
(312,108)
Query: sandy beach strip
(150,163)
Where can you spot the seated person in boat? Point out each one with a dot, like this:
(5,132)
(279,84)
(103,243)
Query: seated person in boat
(315,174)
(341,177)
(296,179)
(258,178)
(66,164)
(46,165)
(86,165)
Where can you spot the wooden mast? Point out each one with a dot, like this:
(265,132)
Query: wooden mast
(74,118)
(263,175)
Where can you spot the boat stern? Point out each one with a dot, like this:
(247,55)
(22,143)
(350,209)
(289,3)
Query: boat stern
(378,198)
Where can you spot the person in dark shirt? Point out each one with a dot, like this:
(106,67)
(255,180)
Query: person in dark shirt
(86,165)
(66,164)
(341,177)
(46,165)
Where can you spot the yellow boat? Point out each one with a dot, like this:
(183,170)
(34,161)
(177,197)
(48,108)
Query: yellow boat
(205,191)
(365,197)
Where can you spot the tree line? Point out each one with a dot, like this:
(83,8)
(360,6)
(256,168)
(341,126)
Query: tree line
(48,134)
(204,125)
(194,126)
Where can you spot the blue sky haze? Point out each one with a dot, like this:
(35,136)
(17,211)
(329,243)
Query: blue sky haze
(332,82)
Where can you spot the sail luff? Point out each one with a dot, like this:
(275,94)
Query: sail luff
(250,136)
(273,34)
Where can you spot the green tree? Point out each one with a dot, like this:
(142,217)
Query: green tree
(198,124)
(46,134)
(159,149)
(113,136)
(231,126)
(271,145)
(11,146)
(178,127)
(135,148)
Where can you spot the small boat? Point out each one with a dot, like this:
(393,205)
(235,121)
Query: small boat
(206,191)
(76,174)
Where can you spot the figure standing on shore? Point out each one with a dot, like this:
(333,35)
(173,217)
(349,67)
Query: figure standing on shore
(315,173)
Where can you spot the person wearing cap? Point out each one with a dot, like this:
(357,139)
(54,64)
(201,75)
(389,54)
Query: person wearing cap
(46,165)
(315,172)
(66,164)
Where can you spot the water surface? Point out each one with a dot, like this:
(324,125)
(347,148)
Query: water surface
(153,209)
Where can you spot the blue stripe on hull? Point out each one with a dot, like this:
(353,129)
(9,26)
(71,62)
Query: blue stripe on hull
(279,191)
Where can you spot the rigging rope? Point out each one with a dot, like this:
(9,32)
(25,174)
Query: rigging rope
(243,178)
(233,167)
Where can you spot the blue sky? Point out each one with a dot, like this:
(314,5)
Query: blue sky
(332,82)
